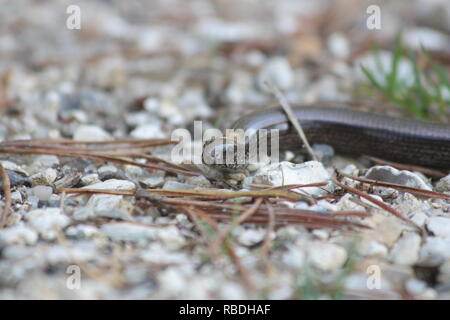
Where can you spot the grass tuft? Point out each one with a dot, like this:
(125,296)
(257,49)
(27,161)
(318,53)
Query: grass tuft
(427,97)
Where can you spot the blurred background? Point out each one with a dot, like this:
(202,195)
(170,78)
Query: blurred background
(162,64)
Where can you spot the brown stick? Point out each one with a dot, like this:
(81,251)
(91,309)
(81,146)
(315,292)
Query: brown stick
(7,195)
(287,108)
(377,202)
(417,191)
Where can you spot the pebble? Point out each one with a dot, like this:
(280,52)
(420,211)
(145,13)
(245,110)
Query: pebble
(419,218)
(175,185)
(157,253)
(48,222)
(434,251)
(153,182)
(294,257)
(148,131)
(46,177)
(82,231)
(232,291)
(392,175)
(443,185)
(419,289)
(172,281)
(107,172)
(200,181)
(90,179)
(42,192)
(19,234)
(91,133)
(338,45)
(249,237)
(406,249)
(278,71)
(439,226)
(11,166)
(373,249)
(16,197)
(105,205)
(15,179)
(43,162)
(418,37)
(171,237)
(123,231)
(326,256)
(286,173)
(323,152)
(113,184)
(444,272)
(133,171)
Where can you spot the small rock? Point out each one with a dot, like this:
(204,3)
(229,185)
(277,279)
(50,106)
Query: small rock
(326,256)
(91,133)
(434,251)
(15,179)
(19,234)
(152,182)
(147,131)
(406,249)
(108,172)
(123,231)
(373,249)
(418,37)
(133,171)
(43,162)
(42,192)
(172,281)
(157,253)
(232,291)
(278,71)
(82,231)
(48,222)
(199,181)
(323,152)
(70,178)
(392,175)
(171,237)
(419,218)
(174,185)
(105,205)
(250,237)
(113,184)
(443,185)
(286,173)
(90,179)
(46,177)
(338,45)
(11,166)
(444,272)
(107,169)
(16,197)
(440,226)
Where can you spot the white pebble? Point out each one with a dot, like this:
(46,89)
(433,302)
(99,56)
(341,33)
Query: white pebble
(91,133)
(42,192)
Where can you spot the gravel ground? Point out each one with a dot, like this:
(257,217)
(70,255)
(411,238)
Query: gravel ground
(141,69)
